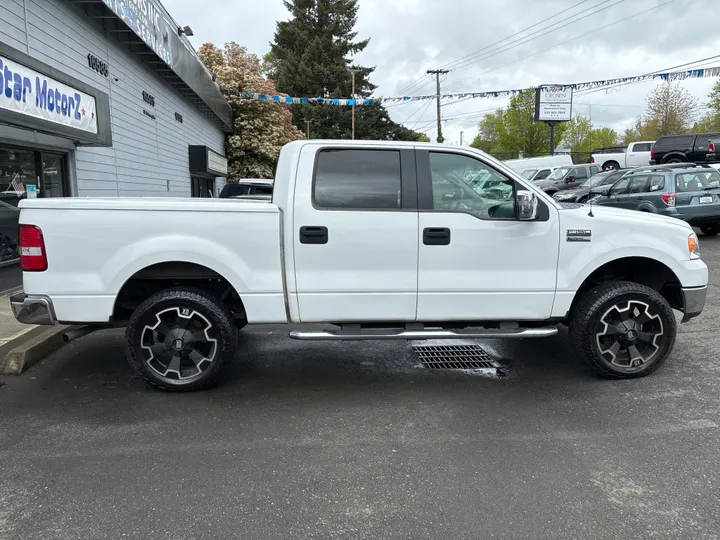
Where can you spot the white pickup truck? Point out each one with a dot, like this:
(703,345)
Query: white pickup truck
(637,154)
(380,240)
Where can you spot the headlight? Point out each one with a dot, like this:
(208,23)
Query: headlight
(563,197)
(693,246)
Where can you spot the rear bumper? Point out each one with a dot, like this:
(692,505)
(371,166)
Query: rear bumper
(693,302)
(30,309)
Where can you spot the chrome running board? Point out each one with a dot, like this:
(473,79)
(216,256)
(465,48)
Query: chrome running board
(491,333)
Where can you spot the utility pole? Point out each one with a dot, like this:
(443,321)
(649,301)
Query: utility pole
(437,73)
(307,127)
(461,137)
(353,72)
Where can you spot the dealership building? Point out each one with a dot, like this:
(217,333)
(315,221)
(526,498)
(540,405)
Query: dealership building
(105,98)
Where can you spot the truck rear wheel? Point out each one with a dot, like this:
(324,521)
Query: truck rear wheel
(611,166)
(178,339)
(623,330)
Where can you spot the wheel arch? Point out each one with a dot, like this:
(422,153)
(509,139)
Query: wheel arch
(159,276)
(674,155)
(638,269)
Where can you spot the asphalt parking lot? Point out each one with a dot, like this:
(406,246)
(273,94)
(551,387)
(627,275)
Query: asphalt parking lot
(354,440)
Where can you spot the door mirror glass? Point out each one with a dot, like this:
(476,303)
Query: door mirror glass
(605,192)
(527,204)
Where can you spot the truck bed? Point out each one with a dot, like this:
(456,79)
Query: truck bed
(95,245)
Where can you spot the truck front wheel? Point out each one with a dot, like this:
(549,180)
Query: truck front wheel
(623,330)
(178,339)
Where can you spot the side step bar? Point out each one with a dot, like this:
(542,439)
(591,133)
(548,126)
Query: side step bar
(514,333)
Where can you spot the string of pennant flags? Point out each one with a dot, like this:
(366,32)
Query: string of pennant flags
(669,76)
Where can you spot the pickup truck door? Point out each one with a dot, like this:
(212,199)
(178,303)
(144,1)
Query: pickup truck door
(477,261)
(638,154)
(355,247)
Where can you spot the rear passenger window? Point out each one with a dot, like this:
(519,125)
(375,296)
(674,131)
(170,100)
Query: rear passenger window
(678,141)
(638,184)
(657,182)
(357,179)
(543,174)
(594,170)
(642,147)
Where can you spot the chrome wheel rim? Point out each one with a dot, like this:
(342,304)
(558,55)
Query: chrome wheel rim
(178,345)
(629,335)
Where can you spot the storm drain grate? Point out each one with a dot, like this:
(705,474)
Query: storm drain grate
(454,357)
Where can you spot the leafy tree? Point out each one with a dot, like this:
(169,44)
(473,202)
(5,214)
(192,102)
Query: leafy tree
(482,144)
(670,111)
(259,129)
(513,130)
(711,121)
(578,134)
(422,137)
(311,56)
(603,137)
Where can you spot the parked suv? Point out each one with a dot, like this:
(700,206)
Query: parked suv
(679,148)
(567,178)
(690,193)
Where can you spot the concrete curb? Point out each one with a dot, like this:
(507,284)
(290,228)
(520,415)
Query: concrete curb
(28,353)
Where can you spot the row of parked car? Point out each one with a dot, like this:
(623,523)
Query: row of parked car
(686,191)
(671,149)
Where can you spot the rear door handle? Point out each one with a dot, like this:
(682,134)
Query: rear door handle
(313,235)
(436,236)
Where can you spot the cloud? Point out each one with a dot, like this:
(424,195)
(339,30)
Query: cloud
(407,37)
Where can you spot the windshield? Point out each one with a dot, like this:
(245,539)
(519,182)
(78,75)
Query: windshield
(558,174)
(527,174)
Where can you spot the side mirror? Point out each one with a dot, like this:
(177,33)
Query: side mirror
(605,192)
(527,204)
(569,179)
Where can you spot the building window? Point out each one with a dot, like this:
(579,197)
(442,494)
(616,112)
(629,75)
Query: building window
(23,170)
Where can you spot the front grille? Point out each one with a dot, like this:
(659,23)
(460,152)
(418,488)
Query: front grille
(454,357)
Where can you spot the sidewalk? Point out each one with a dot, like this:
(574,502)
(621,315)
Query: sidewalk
(9,327)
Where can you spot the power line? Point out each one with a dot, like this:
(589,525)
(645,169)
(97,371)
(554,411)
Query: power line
(425,80)
(459,60)
(571,39)
(542,31)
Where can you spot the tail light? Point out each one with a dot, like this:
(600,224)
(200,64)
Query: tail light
(711,147)
(592,159)
(652,154)
(668,198)
(32,249)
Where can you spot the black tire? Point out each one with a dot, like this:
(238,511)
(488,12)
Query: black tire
(611,166)
(191,350)
(674,160)
(551,192)
(596,311)
(582,200)
(710,230)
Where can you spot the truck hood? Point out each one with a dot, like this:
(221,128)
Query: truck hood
(622,216)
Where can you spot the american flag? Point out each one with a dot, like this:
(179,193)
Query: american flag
(17,185)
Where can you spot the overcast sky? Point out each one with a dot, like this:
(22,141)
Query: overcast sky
(407,37)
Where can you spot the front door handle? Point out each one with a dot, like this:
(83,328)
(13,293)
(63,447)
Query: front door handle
(313,235)
(436,236)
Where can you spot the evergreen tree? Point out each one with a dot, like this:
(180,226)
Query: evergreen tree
(312,57)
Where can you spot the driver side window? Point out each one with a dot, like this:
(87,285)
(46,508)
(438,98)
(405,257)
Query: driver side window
(464,184)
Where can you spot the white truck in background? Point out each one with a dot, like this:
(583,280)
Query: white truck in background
(383,240)
(637,154)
